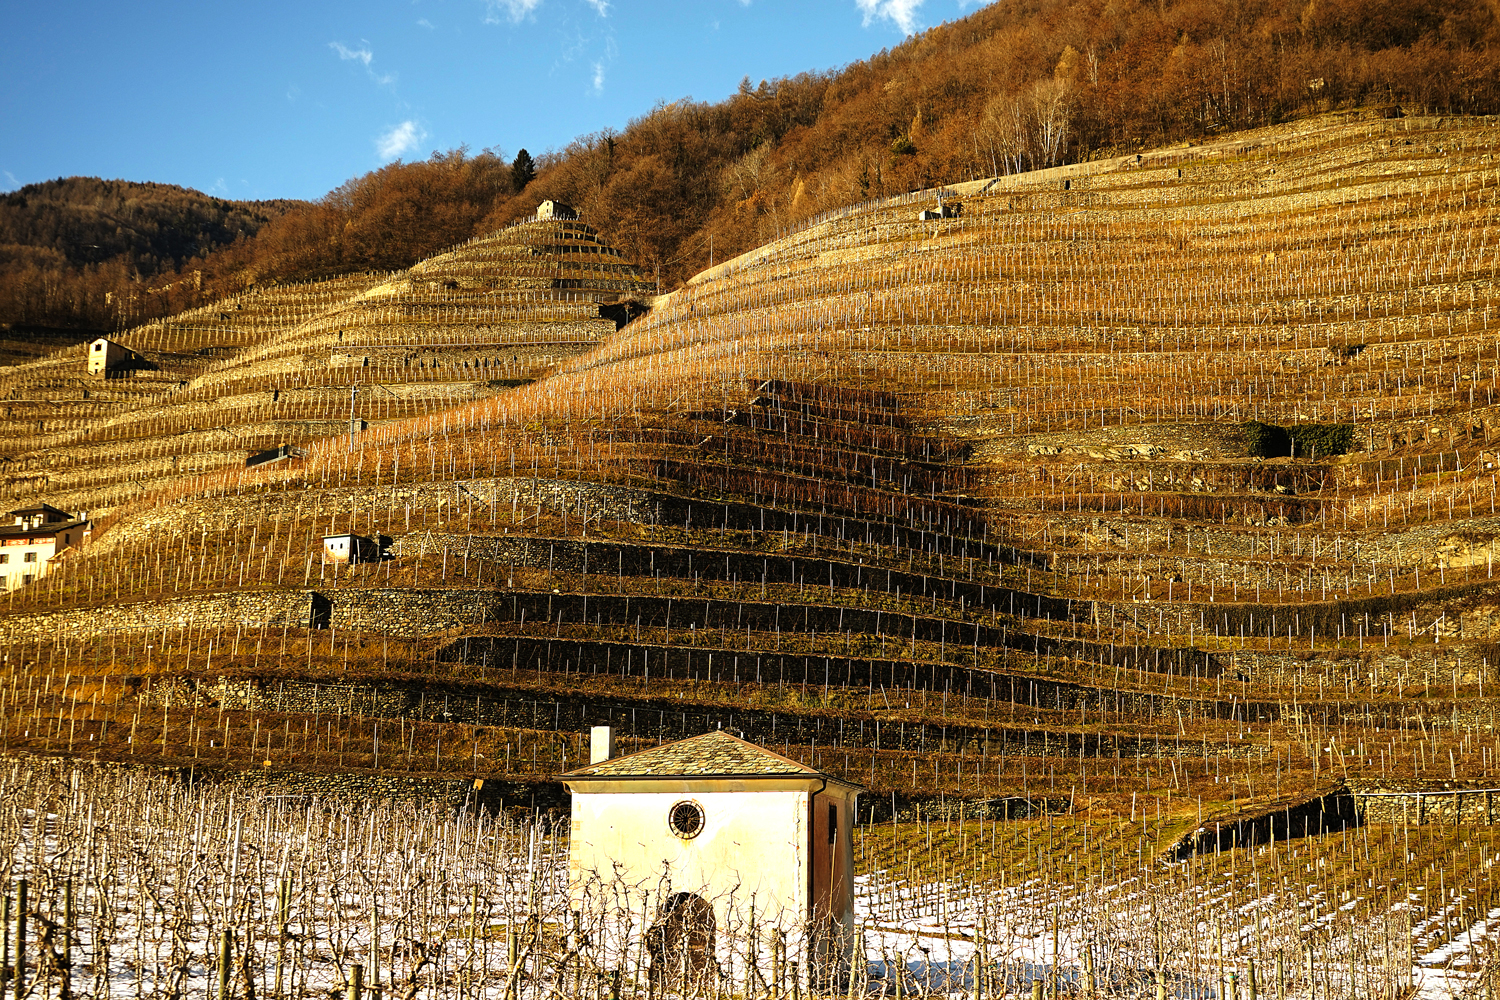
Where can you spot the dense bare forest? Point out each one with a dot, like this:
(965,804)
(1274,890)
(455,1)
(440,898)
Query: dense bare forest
(77,250)
(1012,87)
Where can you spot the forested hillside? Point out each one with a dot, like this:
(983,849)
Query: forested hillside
(1010,88)
(74,250)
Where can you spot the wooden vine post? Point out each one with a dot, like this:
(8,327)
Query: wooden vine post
(66,963)
(226,947)
(18,972)
(283,907)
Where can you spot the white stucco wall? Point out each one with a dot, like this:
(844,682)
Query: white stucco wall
(14,569)
(753,845)
(764,855)
(104,353)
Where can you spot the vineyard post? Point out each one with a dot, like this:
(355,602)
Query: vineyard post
(375,936)
(18,973)
(1406,973)
(226,946)
(283,905)
(65,987)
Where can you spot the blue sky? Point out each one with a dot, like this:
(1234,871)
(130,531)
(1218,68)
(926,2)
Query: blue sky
(289,99)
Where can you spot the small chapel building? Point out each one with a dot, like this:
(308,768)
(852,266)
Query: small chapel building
(717,839)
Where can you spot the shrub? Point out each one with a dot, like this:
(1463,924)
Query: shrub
(1304,441)
(1266,440)
(1313,440)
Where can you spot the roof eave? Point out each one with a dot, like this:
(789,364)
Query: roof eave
(680,781)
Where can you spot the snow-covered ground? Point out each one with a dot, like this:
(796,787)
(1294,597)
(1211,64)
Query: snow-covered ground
(435,902)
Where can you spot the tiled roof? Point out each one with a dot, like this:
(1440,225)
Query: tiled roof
(44,508)
(716,753)
(52,528)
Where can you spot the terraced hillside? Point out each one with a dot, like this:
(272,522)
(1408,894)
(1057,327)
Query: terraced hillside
(291,364)
(1132,491)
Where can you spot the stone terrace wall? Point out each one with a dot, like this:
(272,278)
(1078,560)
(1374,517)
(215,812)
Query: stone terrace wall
(452,791)
(1458,611)
(1455,807)
(645,717)
(592,501)
(278,608)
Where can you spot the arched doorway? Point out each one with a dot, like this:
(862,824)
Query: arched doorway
(681,944)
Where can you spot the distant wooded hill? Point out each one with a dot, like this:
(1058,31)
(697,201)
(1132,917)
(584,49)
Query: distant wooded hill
(73,251)
(1011,87)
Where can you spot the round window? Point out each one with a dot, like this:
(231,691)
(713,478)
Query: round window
(686,819)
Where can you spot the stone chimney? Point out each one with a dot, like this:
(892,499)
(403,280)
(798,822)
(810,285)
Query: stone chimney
(601,744)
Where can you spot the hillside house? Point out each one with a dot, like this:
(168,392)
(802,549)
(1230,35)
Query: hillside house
(104,356)
(712,833)
(38,535)
(555,210)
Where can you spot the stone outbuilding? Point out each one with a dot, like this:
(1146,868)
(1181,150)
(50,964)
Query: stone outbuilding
(350,548)
(945,210)
(38,536)
(104,356)
(270,455)
(555,210)
(731,850)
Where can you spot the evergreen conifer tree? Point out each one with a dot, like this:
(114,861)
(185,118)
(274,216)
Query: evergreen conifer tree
(522,171)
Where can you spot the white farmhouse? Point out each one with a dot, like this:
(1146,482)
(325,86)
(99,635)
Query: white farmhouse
(735,854)
(38,535)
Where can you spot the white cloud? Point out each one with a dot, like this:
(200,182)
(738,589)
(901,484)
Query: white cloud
(362,54)
(598,77)
(602,6)
(512,10)
(364,57)
(424,23)
(399,140)
(10,179)
(903,13)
